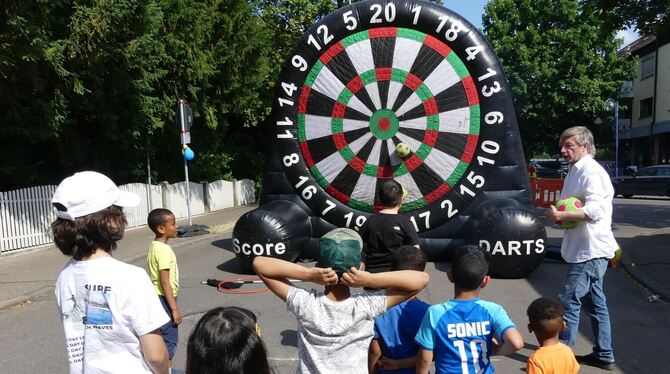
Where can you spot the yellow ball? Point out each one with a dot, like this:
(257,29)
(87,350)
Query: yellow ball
(402,149)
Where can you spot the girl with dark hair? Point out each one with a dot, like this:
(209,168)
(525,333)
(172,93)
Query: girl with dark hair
(226,340)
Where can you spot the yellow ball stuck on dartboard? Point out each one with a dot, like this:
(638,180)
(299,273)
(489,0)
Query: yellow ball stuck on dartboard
(402,149)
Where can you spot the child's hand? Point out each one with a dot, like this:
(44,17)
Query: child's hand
(325,276)
(355,278)
(176,317)
(495,347)
(389,363)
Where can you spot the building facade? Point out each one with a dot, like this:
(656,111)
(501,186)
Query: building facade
(644,118)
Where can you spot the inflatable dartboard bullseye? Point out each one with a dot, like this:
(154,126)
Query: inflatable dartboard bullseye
(378,76)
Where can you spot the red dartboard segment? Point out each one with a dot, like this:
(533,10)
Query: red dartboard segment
(338,110)
(302,102)
(412,163)
(306,154)
(339,140)
(470,90)
(430,138)
(430,106)
(337,194)
(357,164)
(355,84)
(383,74)
(439,192)
(470,148)
(437,45)
(412,82)
(384,172)
(331,52)
(383,32)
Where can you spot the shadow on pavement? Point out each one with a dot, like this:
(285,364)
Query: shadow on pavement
(234,267)
(226,244)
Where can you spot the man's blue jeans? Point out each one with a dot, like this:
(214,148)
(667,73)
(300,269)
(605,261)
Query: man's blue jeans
(586,278)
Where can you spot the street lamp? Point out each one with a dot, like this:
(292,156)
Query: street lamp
(611,104)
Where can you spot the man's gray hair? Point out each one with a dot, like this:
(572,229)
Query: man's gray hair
(582,135)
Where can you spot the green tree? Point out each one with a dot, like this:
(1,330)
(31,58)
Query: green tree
(69,86)
(561,63)
(647,16)
(217,56)
(94,85)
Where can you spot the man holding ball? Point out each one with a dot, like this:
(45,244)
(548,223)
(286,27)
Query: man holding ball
(588,246)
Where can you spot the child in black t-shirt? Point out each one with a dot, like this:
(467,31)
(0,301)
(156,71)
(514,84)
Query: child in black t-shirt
(386,231)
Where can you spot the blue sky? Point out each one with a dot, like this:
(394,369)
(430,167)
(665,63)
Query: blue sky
(472,10)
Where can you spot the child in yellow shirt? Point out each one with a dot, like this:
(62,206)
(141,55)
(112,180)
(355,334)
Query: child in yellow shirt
(164,274)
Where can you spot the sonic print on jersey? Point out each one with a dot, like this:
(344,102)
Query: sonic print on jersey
(459,332)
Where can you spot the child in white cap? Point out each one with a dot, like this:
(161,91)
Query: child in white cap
(109,309)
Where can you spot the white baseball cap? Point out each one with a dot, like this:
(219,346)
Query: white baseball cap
(89,192)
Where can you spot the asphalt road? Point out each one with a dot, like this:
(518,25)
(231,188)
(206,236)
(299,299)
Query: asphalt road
(31,338)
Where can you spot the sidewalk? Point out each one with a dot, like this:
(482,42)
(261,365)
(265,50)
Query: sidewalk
(647,260)
(31,274)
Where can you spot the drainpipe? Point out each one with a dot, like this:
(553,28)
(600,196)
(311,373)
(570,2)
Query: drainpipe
(652,158)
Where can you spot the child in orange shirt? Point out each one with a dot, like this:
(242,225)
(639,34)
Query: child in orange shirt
(546,321)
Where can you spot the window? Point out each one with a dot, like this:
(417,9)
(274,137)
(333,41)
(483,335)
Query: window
(646,107)
(663,171)
(647,172)
(647,67)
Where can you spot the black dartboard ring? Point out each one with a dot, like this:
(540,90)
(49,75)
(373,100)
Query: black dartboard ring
(377,73)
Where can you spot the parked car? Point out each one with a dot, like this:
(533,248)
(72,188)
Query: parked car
(549,168)
(651,180)
(610,168)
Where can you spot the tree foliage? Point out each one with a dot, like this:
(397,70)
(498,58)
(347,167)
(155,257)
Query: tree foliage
(647,16)
(94,85)
(561,63)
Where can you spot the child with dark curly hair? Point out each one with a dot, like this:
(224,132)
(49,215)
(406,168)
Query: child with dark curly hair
(545,318)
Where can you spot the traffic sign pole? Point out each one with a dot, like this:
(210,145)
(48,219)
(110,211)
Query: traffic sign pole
(182,115)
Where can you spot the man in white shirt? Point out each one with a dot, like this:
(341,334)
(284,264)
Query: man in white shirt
(588,246)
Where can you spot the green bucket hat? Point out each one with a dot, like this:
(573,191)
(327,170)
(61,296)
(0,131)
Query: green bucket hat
(340,249)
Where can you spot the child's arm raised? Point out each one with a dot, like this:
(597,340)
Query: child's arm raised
(513,341)
(275,273)
(401,284)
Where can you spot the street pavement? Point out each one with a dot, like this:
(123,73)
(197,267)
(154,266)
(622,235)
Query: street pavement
(31,335)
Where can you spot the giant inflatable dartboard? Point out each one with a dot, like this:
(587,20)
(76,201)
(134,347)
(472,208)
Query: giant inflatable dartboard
(376,74)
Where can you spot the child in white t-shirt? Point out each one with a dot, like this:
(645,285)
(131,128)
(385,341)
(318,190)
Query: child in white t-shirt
(109,309)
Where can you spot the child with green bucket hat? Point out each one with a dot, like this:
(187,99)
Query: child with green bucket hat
(335,326)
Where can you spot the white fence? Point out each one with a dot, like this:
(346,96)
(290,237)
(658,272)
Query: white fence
(26,214)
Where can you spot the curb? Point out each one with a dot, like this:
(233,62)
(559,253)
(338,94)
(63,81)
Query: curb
(641,277)
(18,300)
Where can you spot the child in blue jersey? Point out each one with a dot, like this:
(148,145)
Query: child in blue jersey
(393,349)
(462,334)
